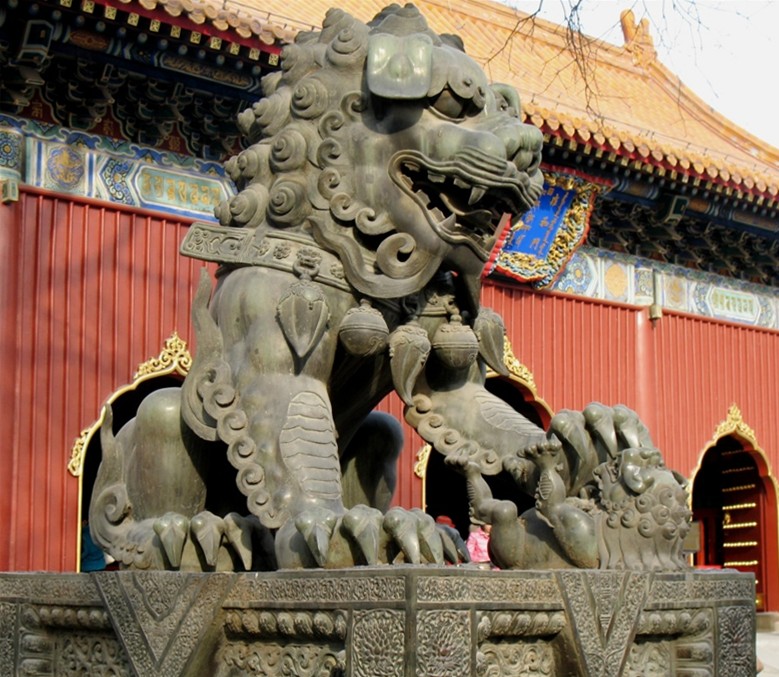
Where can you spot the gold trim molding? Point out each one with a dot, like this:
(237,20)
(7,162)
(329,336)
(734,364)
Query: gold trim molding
(734,425)
(173,359)
(516,368)
(423,456)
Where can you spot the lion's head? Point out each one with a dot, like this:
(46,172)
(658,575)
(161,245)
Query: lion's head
(386,143)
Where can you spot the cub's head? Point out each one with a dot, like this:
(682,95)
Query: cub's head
(388,144)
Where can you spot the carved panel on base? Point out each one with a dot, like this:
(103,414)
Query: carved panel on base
(301,660)
(532,659)
(403,621)
(379,644)
(443,643)
(736,641)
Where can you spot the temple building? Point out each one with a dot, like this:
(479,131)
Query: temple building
(648,275)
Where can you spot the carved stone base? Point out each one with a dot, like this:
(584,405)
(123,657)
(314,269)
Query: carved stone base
(399,621)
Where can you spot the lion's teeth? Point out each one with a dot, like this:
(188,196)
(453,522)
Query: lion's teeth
(436,178)
(460,183)
(424,198)
(449,222)
(438,215)
(477,193)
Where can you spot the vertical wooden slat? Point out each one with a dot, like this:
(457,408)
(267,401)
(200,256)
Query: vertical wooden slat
(705,366)
(579,350)
(89,303)
(10,235)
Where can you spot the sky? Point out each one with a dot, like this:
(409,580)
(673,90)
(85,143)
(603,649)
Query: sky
(727,52)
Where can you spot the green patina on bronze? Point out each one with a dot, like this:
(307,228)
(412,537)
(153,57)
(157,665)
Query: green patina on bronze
(381,167)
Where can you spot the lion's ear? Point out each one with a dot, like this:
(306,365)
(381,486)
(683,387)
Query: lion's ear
(399,67)
(453,40)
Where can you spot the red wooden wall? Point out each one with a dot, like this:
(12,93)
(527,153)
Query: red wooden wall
(578,350)
(88,291)
(701,368)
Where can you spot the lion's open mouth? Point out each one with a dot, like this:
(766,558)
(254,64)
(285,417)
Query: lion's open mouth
(464,198)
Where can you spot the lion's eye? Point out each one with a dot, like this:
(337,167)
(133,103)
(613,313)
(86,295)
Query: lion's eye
(448,104)
(505,107)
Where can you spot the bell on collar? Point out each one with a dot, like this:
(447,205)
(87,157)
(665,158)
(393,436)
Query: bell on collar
(363,330)
(455,344)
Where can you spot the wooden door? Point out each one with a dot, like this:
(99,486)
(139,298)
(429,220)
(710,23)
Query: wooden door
(729,499)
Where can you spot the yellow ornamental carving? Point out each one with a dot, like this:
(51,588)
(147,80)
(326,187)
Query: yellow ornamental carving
(734,425)
(423,456)
(566,226)
(516,368)
(174,358)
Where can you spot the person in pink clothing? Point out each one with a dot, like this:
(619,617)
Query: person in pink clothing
(478,544)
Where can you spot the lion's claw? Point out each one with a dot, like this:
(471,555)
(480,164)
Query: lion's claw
(316,527)
(430,543)
(208,531)
(546,455)
(453,545)
(172,530)
(364,535)
(462,463)
(205,542)
(402,526)
(363,525)
(238,530)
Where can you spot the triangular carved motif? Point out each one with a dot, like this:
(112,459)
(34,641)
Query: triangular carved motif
(603,609)
(160,617)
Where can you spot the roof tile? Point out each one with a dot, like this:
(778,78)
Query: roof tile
(619,93)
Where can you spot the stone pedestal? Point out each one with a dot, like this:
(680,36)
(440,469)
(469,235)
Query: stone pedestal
(399,621)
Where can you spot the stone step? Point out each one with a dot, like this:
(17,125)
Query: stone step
(767,621)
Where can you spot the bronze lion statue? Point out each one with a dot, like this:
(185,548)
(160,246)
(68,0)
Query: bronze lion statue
(381,169)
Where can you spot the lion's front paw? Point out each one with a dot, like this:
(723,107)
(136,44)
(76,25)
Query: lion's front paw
(364,536)
(205,542)
(414,533)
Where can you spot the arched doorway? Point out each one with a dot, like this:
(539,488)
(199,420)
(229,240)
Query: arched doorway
(443,490)
(734,500)
(166,370)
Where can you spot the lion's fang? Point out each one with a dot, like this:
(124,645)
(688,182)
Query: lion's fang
(449,222)
(436,178)
(477,193)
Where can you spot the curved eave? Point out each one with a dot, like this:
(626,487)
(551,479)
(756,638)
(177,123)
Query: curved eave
(633,150)
(243,26)
(484,26)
